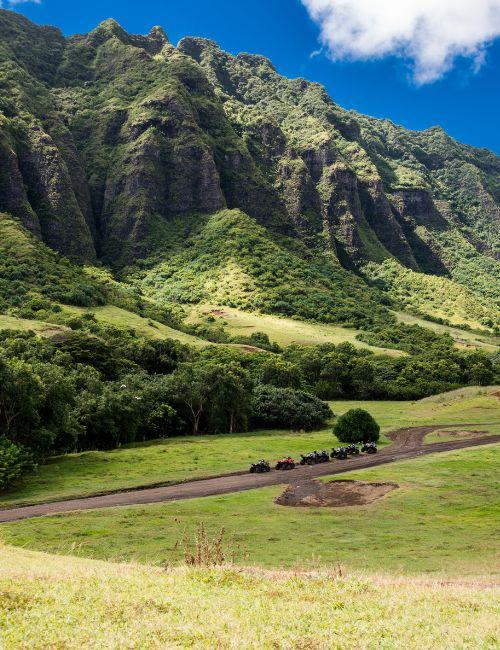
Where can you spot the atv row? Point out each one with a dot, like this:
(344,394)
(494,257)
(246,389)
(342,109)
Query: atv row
(315,457)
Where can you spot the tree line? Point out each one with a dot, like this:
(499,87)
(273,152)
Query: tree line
(98,387)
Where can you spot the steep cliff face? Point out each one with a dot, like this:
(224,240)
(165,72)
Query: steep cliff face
(107,138)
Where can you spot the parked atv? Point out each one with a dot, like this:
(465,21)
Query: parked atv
(308,459)
(323,456)
(369,448)
(285,463)
(352,450)
(340,453)
(260,467)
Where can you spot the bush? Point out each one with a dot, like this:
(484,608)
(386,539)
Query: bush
(14,462)
(285,407)
(357,425)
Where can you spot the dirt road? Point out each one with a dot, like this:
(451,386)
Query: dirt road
(407,443)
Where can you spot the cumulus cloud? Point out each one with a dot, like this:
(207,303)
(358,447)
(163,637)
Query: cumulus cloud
(430,33)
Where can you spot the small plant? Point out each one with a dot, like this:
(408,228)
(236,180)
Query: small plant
(206,551)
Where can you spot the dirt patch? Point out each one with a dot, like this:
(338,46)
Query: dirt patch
(309,493)
(215,312)
(471,433)
(51,332)
(413,437)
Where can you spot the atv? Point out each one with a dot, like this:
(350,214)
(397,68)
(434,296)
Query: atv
(308,459)
(340,453)
(352,450)
(369,448)
(260,467)
(285,463)
(323,456)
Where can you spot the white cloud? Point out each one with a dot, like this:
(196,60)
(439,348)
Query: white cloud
(430,33)
(13,3)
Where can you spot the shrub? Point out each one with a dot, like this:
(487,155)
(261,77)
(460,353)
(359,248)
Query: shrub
(14,462)
(285,407)
(357,425)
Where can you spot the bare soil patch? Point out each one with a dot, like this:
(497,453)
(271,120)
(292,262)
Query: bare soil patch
(337,494)
(470,433)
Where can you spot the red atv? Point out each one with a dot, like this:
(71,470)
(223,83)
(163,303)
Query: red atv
(285,463)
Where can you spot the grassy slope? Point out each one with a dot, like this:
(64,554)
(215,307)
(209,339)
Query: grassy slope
(462,338)
(109,606)
(118,317)
(441,520)
(284,331)
(178,459)
(438,296)
(13,323)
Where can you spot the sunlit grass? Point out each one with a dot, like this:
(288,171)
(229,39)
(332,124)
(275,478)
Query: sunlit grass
(54,602)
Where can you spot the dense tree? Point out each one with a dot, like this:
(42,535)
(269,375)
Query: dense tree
(288,408)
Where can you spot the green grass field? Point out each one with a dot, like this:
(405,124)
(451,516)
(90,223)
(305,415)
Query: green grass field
(163,461)
(26,324)
(178,459)
(70,603)
(443,520)
(283,331)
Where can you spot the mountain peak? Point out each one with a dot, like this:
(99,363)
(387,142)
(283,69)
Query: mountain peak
(158,34)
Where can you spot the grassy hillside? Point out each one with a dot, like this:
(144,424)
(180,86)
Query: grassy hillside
(284,331)
(49,601)
(27,324)
(442,519)
(229,258)
(439,297)
(147,327)
(462,338)
(178,459)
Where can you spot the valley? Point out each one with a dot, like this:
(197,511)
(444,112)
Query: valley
(204,263)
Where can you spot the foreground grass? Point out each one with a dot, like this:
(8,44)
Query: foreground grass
(53,602)
(178,459)
(441,520)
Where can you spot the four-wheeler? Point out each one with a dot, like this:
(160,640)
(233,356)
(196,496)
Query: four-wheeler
(352,450)
(369,448)
(260,467)
(314,457)
(340,453)
(285,463)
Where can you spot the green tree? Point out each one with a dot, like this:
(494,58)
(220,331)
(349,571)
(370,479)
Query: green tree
(285,407)
(357,425)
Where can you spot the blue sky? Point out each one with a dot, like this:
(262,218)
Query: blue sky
(464,103)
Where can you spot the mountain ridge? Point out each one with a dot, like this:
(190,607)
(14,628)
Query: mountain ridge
(108,139)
